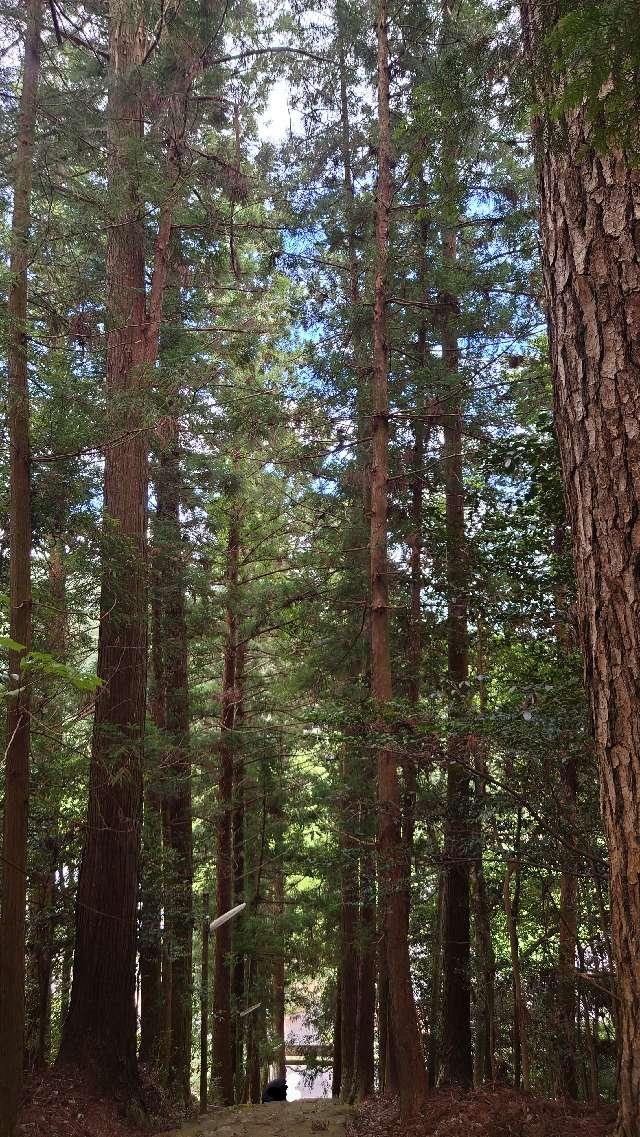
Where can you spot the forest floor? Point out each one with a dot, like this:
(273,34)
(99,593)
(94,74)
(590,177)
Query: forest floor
(495,1112)
(57,1106)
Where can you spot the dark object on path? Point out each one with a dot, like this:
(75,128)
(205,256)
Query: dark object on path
(275,1091)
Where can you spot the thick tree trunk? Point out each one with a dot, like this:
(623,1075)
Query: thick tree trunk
(16,781)
(100,1031)
(222,1071)
(412,1080)
(591,263)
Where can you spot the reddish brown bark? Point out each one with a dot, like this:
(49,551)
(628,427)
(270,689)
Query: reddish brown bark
(412,1081)
(591,264)
(100,1030)
(222,1064)
(16,778)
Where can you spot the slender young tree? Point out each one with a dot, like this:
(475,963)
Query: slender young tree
(17,754)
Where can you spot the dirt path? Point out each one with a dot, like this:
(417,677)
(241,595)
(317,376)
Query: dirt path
(280,1119)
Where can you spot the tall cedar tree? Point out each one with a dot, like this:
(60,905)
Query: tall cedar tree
(100,1029)
(406,1043)
(16,786)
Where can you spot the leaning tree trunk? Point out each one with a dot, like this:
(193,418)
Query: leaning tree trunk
(591,263)
(100,1030)
(16,783)
(411,1073)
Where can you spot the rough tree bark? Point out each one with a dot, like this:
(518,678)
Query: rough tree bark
(16,779)
(100,1030)
(411,1073)
(590,203)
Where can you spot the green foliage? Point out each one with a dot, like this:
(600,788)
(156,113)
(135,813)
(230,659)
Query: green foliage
(595,51)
